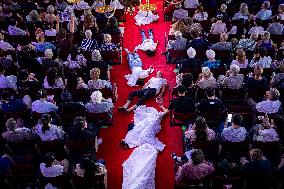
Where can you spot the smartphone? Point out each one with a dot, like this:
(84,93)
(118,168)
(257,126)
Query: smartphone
(229,118)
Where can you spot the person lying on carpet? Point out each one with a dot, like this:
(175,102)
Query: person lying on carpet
(148,45)
(135,65)
(145,17)
(155,86)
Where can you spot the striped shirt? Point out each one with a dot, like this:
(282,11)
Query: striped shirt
(89,45)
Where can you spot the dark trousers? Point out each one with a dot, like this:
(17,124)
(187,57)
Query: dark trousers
(142,94)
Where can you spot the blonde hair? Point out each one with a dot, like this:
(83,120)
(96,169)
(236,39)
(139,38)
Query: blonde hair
(206,72)
(224,36)
(96,55)
(241,56)
(1,36)
(97,97)
(266,4)
(95,73)
(179,26)
(107,38)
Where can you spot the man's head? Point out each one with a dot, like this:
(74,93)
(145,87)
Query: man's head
(237,119)
(273,94)
(159,74)
(181,90)
(258,71)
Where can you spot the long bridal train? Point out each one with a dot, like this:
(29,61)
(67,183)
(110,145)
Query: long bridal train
(146,125)
(139,168)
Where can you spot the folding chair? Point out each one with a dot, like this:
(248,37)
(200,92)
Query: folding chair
(180,119)
(102,119)
(114,57)
(176,55)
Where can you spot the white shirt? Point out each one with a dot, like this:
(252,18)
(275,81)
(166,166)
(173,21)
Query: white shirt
(191,4)
(53,171)
(267,135)
(256,30)
(157,83)
(268,106)
(147,44)
(51,32)
(264,62)
(137,72)
(234,134)
(200,16)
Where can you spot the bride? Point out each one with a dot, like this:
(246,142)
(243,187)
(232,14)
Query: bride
(145,17)
(139,168)
(146,125)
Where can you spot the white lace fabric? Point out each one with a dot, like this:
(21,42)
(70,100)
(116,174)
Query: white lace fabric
(146,126)
(139,168)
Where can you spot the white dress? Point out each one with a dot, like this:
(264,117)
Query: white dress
(146,126)
(139,168)
(145,17)
(137,72)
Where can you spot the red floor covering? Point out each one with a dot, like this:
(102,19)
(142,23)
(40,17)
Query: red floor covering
(171,136)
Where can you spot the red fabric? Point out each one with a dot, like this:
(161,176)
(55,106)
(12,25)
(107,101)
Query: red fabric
(171,136)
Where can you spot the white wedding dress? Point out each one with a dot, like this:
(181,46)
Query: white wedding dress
(146,125)
(145,17)
(137,72)
(139,168)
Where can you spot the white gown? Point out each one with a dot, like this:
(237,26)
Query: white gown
(145,17)
(139,168)
(146,126)
(137,72)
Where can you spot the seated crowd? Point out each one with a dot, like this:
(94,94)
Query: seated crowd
(55,91)
(228,95)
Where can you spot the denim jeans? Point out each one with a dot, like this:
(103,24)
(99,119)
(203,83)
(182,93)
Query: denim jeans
(150,33)
(134,60)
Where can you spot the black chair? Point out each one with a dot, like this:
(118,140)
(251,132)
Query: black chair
(235,149)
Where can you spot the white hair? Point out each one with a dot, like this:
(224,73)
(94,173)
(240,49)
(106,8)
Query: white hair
(178,34)
(223,7)
(48,53)
(206,71)
(210,54)
(50,9)
(88,33)
(191,52)
(235,69)
(96,55)
(97,97)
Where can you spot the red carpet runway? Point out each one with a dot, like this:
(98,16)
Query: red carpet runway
(171,136)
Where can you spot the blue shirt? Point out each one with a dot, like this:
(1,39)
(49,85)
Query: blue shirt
(212,64)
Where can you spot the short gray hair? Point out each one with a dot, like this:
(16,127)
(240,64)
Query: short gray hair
(88,33)
(235,69)
(210,54)
(96,55)
(50,9)
(48,53)
(191,52)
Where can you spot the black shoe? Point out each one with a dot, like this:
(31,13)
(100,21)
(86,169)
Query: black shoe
(121,109)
